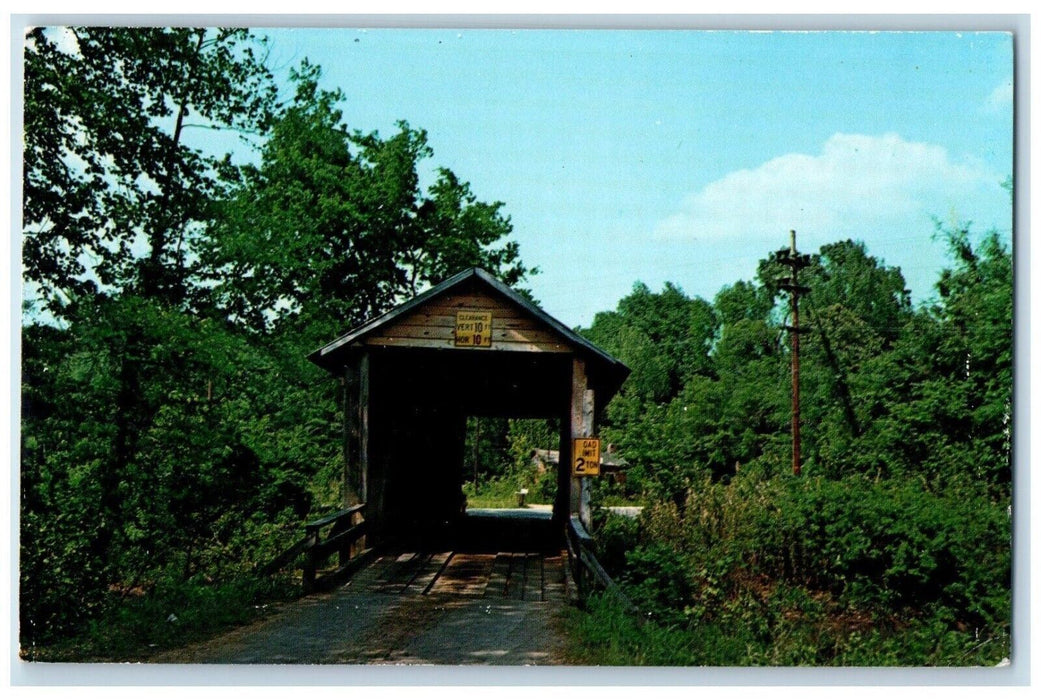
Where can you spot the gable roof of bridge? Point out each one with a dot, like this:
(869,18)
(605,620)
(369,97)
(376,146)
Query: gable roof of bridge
(332,355)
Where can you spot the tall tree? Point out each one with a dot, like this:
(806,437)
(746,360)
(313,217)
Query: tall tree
(113,196)
(333,226)
(665,337)
(976,304)
(858,307)
(664,419)
(113,193)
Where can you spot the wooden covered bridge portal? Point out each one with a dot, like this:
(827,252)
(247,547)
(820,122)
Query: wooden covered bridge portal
(470,346)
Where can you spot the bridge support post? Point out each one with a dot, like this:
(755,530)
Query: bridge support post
(585,512)
(355,430)
(581,420)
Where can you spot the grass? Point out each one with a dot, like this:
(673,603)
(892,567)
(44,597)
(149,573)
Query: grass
(498,493)
(170,616)
(604,634)
(501,492)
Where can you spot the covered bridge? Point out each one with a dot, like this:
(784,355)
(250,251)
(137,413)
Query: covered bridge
(470,346)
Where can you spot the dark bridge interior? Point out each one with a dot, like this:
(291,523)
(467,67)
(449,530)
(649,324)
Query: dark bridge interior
(416,465)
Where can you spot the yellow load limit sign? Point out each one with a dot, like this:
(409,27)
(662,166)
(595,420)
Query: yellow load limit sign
(473,329)
(586,460)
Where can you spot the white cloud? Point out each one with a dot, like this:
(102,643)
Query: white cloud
(856,186)
(1001,97)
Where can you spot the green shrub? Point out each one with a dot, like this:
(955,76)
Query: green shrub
(615,535)
(659,580)
(605,634)
(889,546)
(815,571)
(786,627)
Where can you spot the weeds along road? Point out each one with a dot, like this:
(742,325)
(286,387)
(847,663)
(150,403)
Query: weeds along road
(413,608)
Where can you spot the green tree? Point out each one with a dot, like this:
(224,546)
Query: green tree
(165,439)
(333,227)
(843,274)
(663,337)
(857,309)
(966,397)
(666,339)
(176,468)
(925,392)
(114,198)
(742,301)
(754,393)
(113,193)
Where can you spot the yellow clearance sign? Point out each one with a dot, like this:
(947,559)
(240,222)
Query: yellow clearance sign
(473,329)
(586,457)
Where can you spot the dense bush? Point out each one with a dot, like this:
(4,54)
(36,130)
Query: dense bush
(889,546)
(814,571)
(788,629)
(616,535)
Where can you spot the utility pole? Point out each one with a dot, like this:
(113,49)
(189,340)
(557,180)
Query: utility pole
(794,261)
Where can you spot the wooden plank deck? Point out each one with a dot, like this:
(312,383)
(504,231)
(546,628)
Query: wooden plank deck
(528,576)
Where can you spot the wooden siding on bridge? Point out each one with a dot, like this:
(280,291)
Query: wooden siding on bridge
(433,326)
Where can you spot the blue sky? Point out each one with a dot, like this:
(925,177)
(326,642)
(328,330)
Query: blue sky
(686,156)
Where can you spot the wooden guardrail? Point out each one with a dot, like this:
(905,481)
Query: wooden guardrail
(586,570)
(338,533)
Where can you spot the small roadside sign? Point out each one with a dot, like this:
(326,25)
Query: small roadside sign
(586,457)
(473,329)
